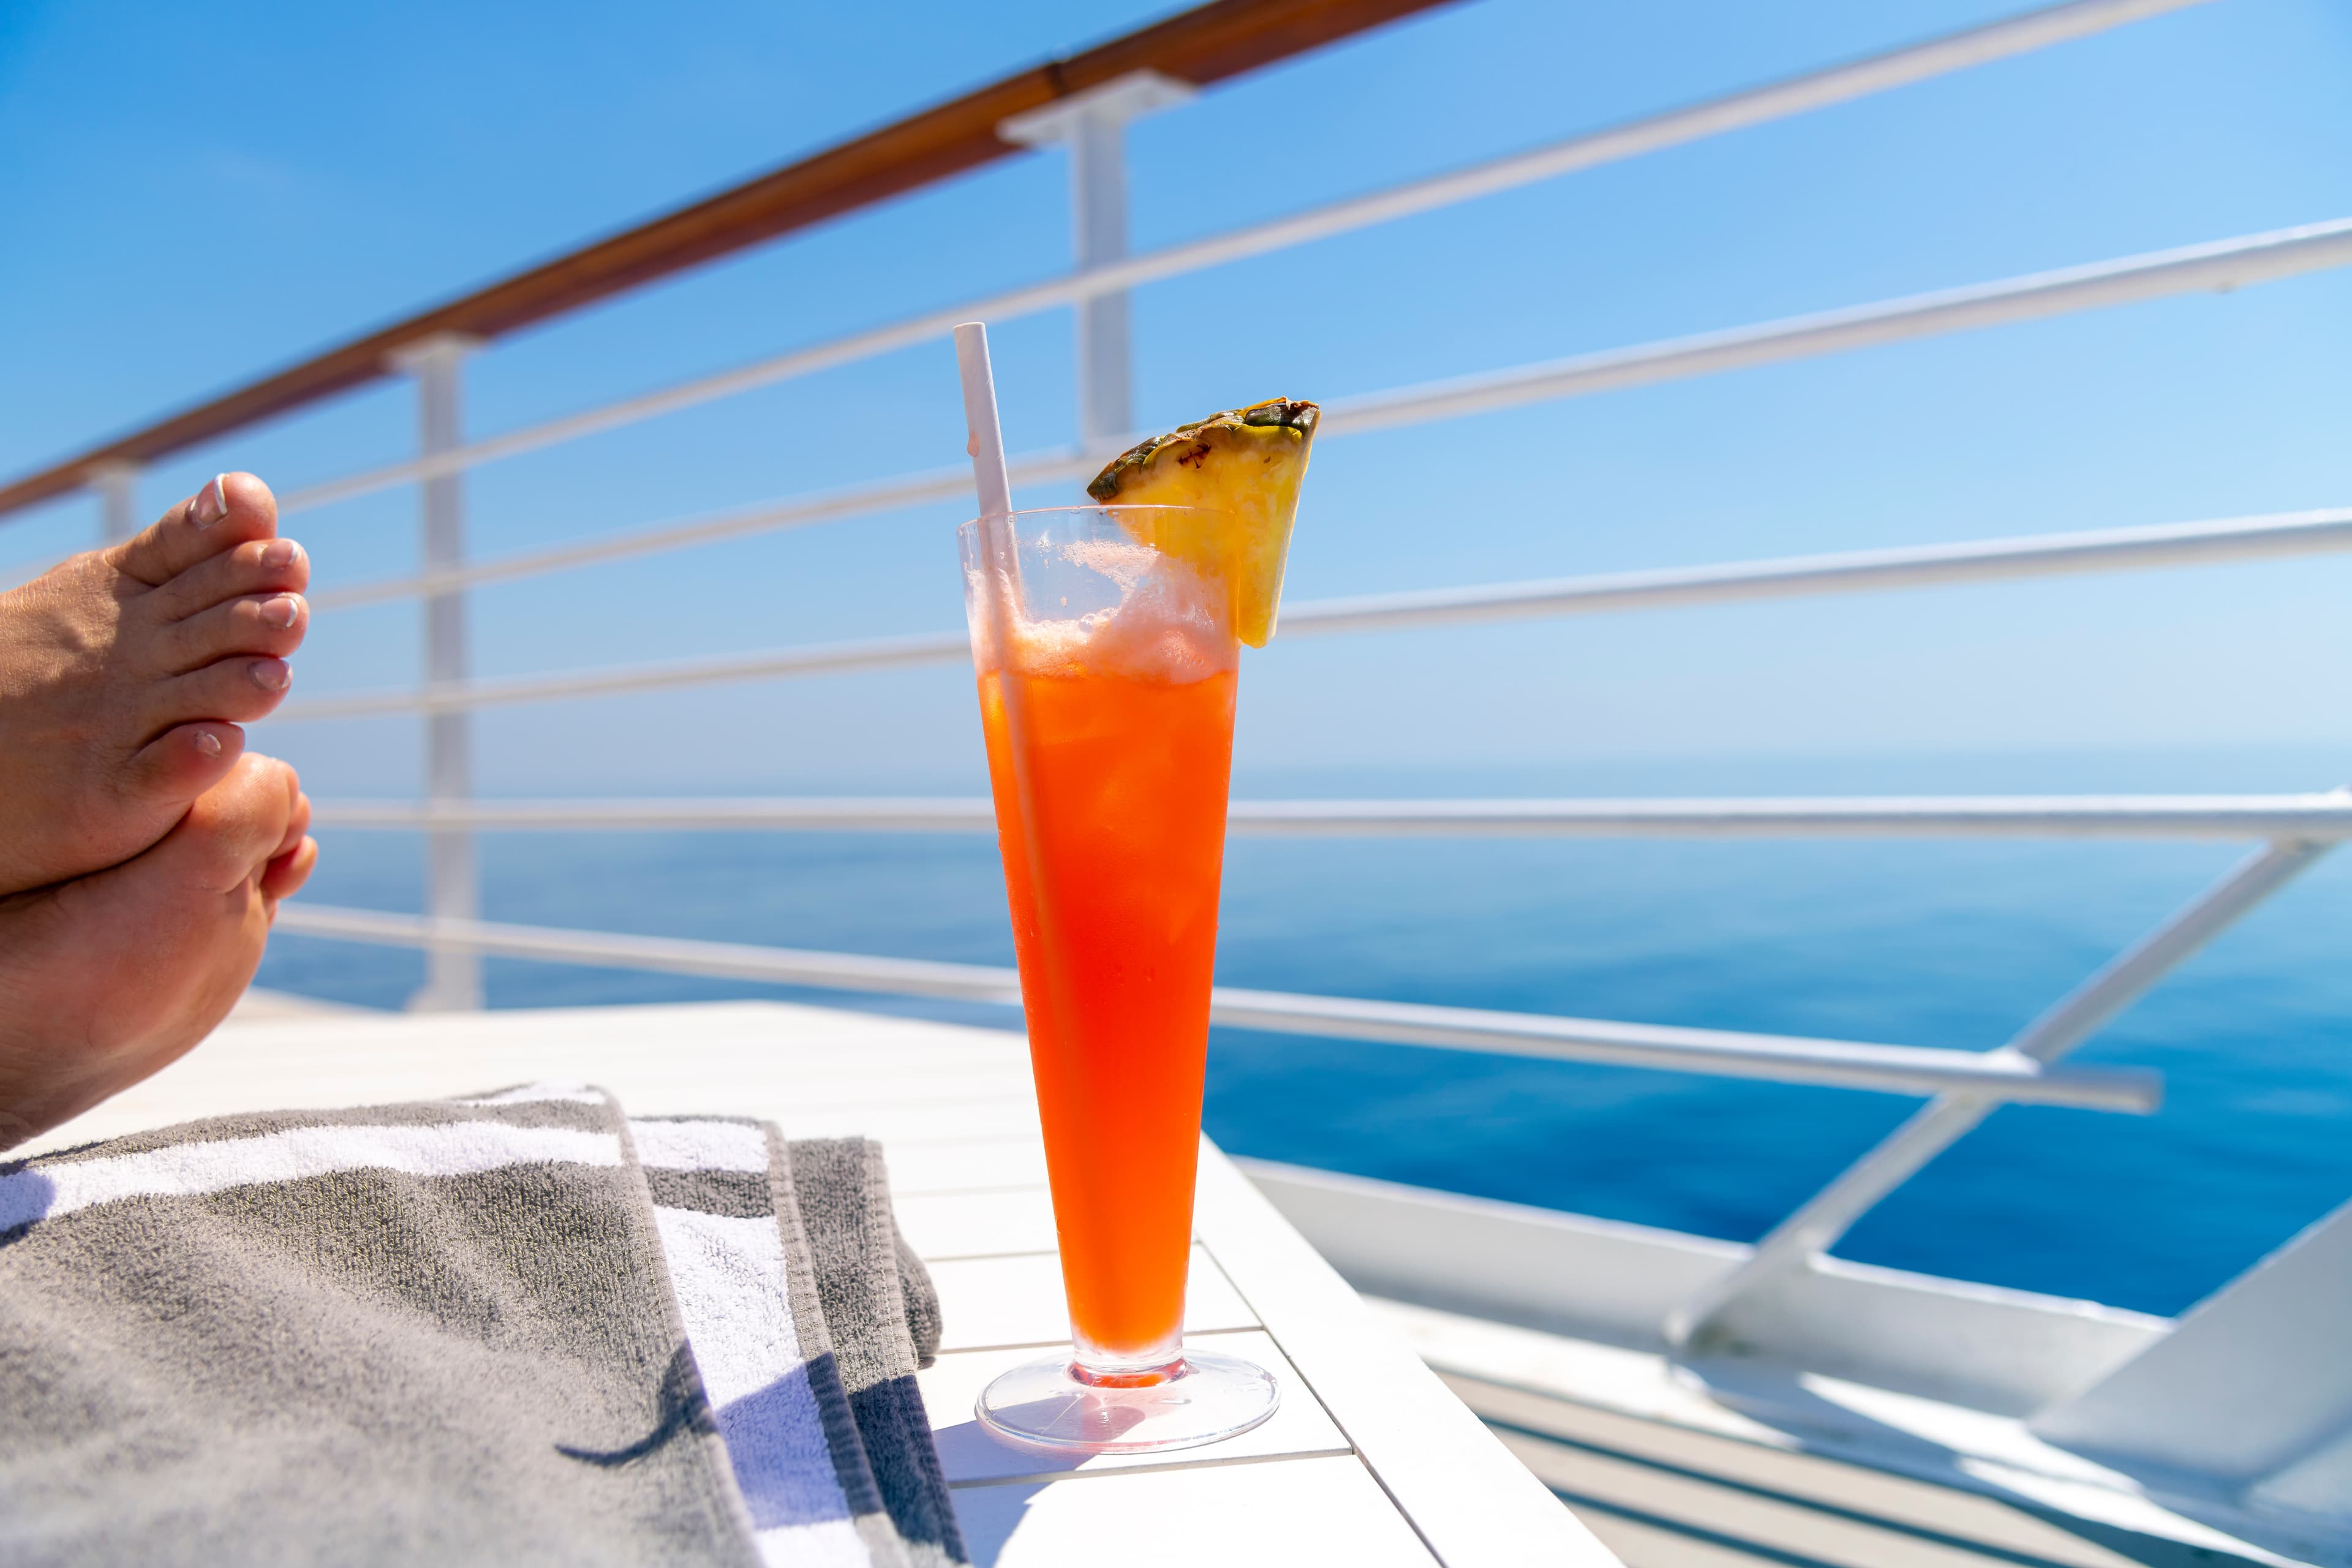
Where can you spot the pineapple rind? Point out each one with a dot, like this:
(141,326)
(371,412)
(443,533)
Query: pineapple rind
(1208,465)
(1275,413)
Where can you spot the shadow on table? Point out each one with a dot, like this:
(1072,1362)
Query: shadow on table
(989,1516)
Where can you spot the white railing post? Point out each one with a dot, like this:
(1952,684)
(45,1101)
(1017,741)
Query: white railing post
(1829,1213)
(452,978)
(1093,124)
(116,485)
(1105,328)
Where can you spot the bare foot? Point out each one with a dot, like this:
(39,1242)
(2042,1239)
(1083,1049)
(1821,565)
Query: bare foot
(123,674)
(105,979)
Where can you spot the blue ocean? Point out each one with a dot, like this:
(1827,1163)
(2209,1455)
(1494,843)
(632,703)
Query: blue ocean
(1951,944)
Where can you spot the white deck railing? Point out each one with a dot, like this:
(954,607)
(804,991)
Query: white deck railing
(2314,818)
(1845,1064)
(2294,830)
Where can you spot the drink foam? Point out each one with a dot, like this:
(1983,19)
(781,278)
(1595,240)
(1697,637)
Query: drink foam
(1172,623)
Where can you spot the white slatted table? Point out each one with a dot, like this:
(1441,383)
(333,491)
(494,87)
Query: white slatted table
(1370,1461)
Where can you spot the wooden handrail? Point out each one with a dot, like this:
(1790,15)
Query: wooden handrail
(1204,44)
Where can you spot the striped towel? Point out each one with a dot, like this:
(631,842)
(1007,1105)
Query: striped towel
(516,1328)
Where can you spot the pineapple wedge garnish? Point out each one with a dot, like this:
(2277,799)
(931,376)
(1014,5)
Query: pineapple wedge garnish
(1244,465)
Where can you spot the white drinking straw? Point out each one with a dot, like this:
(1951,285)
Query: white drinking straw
(1001,603)
(987,443)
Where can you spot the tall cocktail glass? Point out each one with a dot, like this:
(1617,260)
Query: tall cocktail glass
(1107,681)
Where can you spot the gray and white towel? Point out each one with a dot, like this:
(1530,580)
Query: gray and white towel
(518,1328)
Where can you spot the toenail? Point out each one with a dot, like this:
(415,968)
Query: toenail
(281,610)
(211,504)
(209,743)
(272,674)
(280,552)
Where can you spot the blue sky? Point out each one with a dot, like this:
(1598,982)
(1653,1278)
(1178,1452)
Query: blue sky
(198,193)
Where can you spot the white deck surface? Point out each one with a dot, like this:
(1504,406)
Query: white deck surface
(1370,1461)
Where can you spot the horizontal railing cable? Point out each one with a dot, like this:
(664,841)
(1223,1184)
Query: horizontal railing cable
(2313,816)
(2220,265)
(2278,534)
(1899,1069)
(796,511)
(869,653)
(1737,110)
(2165,544)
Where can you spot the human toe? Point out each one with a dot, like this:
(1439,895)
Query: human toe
(289,862)
(184,762)
(272,624)
(297,853)
(240,688)
(230,511)
(289,867)
(298,819)
(285,875)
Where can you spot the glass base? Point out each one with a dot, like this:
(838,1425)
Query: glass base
(1054,1403)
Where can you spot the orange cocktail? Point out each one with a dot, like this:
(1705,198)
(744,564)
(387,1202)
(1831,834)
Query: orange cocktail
(1107,678)
(1126,773)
